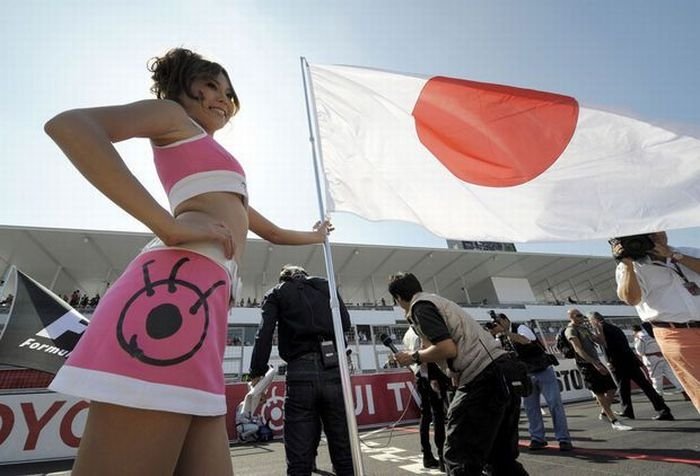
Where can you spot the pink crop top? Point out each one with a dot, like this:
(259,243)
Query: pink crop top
(198,165)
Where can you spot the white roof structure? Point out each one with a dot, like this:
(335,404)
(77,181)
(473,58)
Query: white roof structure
(65,260)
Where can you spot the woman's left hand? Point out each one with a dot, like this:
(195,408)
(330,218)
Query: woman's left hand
(323,228)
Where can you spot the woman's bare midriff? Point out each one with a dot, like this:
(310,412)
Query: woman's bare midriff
(218,207)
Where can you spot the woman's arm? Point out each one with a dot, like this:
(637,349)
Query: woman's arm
(267,230)
(86,137)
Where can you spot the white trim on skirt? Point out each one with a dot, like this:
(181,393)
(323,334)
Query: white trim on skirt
(130,392)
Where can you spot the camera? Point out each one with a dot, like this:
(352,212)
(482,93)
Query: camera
(489,325)
(633,246)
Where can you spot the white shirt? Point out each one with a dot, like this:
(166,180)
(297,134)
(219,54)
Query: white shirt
(664,298)
(526,332)
(645,344)
(412,342)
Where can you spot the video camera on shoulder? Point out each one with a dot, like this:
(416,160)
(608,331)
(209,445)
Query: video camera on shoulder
(634,246)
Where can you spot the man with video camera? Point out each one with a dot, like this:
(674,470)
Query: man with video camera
(663,283)
(482,422)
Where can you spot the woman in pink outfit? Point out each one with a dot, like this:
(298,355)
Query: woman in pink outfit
(150,361)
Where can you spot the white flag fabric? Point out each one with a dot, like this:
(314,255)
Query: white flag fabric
(478,161)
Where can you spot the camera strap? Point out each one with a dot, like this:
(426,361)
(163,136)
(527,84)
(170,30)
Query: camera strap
(690,286)
(676,269)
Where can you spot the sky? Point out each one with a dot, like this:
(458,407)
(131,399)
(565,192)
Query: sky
(633,57)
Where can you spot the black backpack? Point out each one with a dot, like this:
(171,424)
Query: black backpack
(563,345)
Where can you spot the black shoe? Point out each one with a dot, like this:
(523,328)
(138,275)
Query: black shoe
(537,445)
(430,463)
(664,415)
(565,446)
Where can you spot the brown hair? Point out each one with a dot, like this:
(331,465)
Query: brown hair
(174,72)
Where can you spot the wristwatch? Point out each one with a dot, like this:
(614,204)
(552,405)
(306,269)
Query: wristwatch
(416,357)
(676,256)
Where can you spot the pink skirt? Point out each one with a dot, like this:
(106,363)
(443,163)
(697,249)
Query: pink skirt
(156,340)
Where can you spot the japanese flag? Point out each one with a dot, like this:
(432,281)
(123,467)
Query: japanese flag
(478,161)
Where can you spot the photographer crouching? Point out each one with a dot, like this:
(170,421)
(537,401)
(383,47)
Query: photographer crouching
(663,283)
(482,422)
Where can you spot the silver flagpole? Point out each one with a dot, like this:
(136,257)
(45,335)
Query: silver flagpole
(335,305)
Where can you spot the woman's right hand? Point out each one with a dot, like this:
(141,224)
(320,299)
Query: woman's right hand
(183,231)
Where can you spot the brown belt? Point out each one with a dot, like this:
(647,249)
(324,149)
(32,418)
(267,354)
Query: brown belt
(676,325)
(657,354)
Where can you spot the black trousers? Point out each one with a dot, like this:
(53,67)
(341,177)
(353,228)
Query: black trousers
(482,427)
(432,408)
(629,372)
(314,397)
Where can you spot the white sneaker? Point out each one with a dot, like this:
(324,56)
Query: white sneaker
(616,425)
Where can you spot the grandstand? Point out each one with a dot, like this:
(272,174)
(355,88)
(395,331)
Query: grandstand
(526,286)
(533,288)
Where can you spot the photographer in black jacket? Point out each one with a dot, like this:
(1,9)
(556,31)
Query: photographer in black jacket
(300,305)
(523,342)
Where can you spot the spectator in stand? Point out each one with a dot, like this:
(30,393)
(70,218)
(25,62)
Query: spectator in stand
(595,374)
(627,368)
(75,298)
(95,300)
(7,301)
(648,350)
(84,301)
(664,286)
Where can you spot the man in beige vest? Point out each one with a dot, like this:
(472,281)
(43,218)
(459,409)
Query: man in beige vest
(482,424)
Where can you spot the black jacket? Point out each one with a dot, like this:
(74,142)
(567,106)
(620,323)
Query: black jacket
(533,355)
(617,347)
(302,309)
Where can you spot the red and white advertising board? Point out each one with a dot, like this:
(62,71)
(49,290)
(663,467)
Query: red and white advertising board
(40,426)
(48,426)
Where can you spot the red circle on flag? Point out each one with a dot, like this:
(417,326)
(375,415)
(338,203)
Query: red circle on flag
(493,135)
